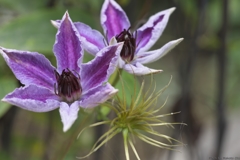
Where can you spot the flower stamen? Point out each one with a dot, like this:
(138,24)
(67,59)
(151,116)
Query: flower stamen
(129,46)
(68,86)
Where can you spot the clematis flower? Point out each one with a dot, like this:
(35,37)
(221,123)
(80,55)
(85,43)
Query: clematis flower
(69,86)
(116,26)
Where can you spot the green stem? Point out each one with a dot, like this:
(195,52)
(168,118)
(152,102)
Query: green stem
(125,139)
(116,77)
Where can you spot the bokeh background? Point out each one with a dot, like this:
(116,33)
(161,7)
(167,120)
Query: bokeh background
(205,85)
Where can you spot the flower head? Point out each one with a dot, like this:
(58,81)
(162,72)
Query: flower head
(135,52)
(69,86)
(136,119)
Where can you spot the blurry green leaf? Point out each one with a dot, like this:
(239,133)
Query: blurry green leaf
(6,85)
(128,87)
(234,12)
(34,31)
(23,6)
(214,15)
(189,8)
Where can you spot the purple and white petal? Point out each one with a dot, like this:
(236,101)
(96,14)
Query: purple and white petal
(33,98)
(92,40)
(97,96)
(97,71)
(138,69)
(152,56)
(113,19)
(30,67)
(68,114)
(149,33)
(67,47)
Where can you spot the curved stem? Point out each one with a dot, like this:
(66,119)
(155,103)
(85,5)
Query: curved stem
(125,139)
(116,75)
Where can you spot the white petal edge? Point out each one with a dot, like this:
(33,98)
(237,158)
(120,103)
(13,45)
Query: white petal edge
(152,56)
(139,70)
(157,31)
(100,95)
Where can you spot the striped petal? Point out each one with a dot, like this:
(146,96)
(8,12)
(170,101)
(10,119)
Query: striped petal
(113,19)
(97,71)
(31,68)
(67,47)
(150,32)
(152,56)
(33,98)
(97,96)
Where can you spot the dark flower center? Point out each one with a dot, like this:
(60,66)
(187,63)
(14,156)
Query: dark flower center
(129,46)
(68,86)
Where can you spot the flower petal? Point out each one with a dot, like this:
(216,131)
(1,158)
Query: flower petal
(67,47)
(33,98)
(113,19)
(151,56)
(30,67)
(97,96)
(97,71)
(149,33)
(138,69)
(92,40)
(68,114)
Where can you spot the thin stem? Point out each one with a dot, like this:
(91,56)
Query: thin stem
(134,149)
(116,77)
(125,139)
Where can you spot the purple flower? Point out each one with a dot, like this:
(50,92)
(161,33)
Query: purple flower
(135,52)
(69,86)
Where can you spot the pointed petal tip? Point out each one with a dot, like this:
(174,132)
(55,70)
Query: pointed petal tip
(4,100)
(171,10)
(154,71)
(179,40)
(66,128)
(66,13)
(113,41)
(158,71)
(2,49)
(66,16)
(113,92)
(54,23)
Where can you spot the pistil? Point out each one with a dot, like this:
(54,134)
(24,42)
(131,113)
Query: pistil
(68,86)
(129,46)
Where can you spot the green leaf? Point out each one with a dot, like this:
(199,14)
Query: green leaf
(7,85)
(22,6)
(34,31)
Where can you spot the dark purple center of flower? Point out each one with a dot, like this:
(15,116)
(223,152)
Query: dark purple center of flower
(129,46)
(68,86)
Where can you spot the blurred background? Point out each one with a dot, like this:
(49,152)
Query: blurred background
(204,67)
